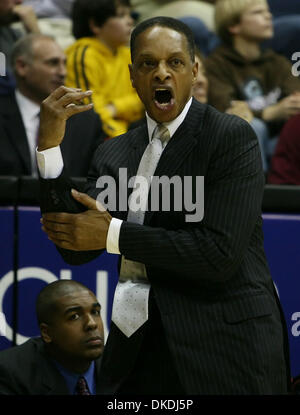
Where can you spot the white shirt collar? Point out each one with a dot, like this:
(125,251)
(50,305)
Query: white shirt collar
(172,125)
(29,109)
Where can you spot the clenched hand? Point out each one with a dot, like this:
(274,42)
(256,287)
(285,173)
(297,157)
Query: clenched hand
(80,231)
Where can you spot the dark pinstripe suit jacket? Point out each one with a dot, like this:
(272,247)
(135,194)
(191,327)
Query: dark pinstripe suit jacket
(210,279)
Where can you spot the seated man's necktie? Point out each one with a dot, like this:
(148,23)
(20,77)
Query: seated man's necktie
(82,387)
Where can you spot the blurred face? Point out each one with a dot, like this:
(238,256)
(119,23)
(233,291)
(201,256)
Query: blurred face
(76,331)
(45,72)
(116,30)
(200,87)
(6,11)
(162,72)
(256,22)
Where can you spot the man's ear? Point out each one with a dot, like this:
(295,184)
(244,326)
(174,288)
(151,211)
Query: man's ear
(45,333)
(93,27)
(195,71)
(21,67)
(131,75)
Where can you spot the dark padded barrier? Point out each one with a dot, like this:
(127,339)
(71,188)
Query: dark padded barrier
(8,190)
(24,190)
(281,198)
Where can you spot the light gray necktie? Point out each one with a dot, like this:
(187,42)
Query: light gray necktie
(130,307)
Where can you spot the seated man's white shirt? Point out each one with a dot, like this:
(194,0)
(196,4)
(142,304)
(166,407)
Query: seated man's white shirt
(30,115)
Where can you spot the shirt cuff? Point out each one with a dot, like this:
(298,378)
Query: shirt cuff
(112,241)
(50,162)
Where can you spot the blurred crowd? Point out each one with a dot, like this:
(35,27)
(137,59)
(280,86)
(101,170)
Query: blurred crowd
(248,67)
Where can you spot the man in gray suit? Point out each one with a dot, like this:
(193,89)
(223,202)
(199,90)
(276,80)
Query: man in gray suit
(195,310)
(40,67)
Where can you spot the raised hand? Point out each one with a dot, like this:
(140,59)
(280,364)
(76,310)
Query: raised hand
(55,110)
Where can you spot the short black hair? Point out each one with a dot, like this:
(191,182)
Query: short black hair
(47,298)
(98,10)
(168,22)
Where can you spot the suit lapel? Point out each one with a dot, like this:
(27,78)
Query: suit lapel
(98,374)
(15,130)
(139,143)
(51,381)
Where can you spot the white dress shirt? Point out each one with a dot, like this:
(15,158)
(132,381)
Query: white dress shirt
(50,164)
(30,112)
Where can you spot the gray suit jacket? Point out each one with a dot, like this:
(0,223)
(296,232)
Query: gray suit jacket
(83,135)
(210,279)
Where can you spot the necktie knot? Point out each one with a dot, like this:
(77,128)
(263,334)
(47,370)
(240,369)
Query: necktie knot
(161,133)
(82,387)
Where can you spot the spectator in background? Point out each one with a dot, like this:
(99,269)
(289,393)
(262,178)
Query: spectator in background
(12,11)
(51,8)
(198,15)
(285,163)
(99,60)
(65,360)
(200,86)
(40,67)
(239,71)
(54,17)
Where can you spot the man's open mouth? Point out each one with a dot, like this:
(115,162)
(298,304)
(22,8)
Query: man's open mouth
(163,98)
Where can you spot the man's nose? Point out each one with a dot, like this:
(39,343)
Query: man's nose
(269,15)
(130,20)
(62,69)
(162,72)
(91,322)
(201,79)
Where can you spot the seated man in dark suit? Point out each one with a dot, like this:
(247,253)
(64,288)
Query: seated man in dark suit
(13,11)
(66,358)
(40,67)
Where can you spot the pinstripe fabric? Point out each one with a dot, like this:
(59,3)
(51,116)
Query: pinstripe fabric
(210,279)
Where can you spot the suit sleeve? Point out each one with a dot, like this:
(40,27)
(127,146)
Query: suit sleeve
(214,248)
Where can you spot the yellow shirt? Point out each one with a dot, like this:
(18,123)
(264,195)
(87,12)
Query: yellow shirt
(91,65)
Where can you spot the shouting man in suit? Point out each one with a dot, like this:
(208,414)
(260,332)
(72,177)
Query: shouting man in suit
(40,68)
(66,358)
(195,310)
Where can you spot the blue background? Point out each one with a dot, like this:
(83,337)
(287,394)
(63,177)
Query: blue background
(38,259)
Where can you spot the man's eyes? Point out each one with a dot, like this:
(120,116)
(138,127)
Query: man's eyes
(148,63)
(176,62)
(76,316)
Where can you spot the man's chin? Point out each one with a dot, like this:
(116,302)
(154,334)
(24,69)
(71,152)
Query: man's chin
(94,353)
(164,115)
